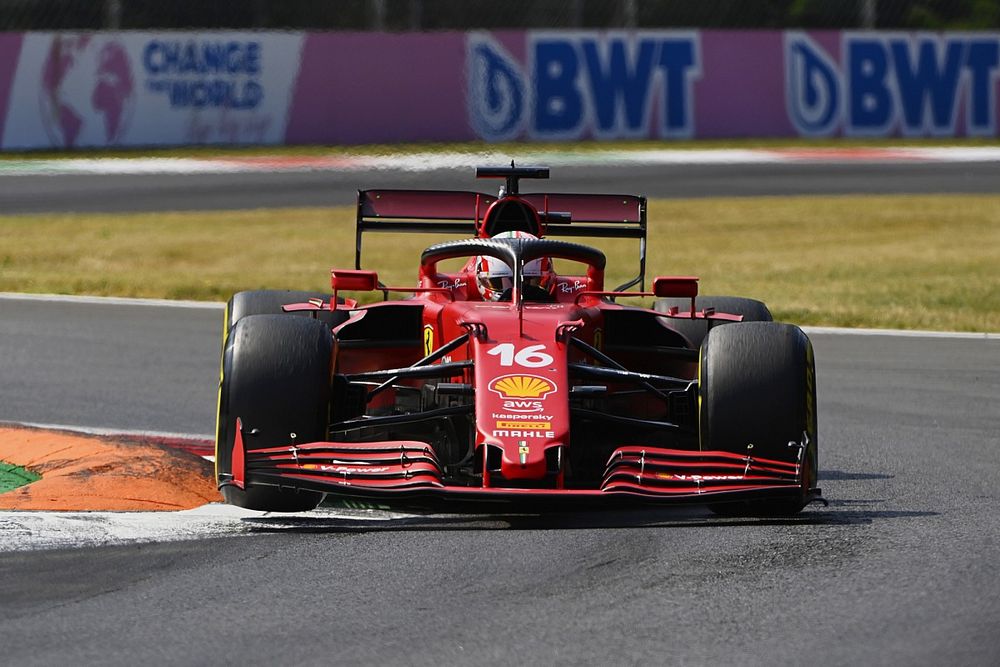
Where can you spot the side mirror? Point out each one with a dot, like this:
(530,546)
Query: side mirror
(683,287)
(349,279)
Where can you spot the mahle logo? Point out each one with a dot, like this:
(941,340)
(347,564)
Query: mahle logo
(522,386)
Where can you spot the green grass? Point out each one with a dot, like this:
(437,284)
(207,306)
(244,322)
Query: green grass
(922,262)
(13,477)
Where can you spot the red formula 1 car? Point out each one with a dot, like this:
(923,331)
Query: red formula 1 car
(506,382)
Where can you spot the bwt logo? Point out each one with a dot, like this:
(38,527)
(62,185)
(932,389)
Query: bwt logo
(607,85)
(913,84)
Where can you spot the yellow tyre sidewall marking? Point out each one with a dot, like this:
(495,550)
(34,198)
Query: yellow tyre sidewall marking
(701,391)
(218,396)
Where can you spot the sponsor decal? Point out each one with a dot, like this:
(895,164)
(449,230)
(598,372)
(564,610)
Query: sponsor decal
(570,287)
(87,90)
(521,386)
(700,478)
(613,85)
(151,88)
(523,406)
(458,283)
(361,469)
(522,451)
(497,94)
(914,84)
(203,73)
(513,433)
(428,339)
(599,339)
(524,424)
(500,415)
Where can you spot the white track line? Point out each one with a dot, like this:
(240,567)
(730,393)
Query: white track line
(429,161)
(903,333)
(112,300)
(35,530)
(197,438)
(162,436)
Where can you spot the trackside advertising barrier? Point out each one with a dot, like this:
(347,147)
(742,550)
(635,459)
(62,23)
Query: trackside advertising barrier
(135,89)
(129,89)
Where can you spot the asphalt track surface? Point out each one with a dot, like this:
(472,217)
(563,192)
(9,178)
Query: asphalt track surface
(899,569)
(164,192)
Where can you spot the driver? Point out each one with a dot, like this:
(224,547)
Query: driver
(495,279)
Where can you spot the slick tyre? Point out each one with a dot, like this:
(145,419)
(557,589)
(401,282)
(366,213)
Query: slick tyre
(696,330)
(269,302)
(757,384)
(276,381)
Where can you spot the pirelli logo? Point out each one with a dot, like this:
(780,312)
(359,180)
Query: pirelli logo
(543,426)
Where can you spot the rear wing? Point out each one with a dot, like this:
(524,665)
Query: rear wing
(460,213)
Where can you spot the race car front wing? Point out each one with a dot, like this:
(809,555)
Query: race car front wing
(410,469)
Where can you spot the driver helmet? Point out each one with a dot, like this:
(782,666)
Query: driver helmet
(494,277)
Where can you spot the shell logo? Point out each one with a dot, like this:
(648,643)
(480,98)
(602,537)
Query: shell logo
(522,386)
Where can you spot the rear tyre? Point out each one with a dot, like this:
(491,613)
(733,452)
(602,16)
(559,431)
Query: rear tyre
(696,330)
(269,302)
(758,385)
(276,380)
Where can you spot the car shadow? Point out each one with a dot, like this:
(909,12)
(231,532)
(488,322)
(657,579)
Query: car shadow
(841,514)
(842,475)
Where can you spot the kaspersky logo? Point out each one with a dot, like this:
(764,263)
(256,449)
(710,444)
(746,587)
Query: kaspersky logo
(522,386)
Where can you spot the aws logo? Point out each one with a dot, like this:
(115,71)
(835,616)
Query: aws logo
(522,386)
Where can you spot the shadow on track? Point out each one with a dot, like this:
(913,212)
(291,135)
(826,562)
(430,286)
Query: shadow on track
(350,517)
(607,519)
(842,475)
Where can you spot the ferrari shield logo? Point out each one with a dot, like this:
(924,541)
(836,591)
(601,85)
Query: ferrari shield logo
(428,339)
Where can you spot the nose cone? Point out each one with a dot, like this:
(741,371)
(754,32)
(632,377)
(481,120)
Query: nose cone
(524,414)
(524,459)
(522,386)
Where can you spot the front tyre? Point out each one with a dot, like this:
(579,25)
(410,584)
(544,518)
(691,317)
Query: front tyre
(276,380)
(758,385)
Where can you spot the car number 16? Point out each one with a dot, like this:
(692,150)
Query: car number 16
(528,357)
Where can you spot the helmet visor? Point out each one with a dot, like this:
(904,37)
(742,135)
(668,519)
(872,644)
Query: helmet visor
(499,284)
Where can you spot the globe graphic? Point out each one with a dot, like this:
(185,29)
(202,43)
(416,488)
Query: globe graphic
(87,92)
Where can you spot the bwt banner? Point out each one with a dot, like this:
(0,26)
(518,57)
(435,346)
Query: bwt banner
(137,89)
(546,85)
(131,89)
(878,85)
(724,84)
(570,86)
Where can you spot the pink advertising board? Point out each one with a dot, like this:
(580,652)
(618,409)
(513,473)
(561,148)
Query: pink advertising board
(78,90)
(10,48)
(554,85)
(108,89)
